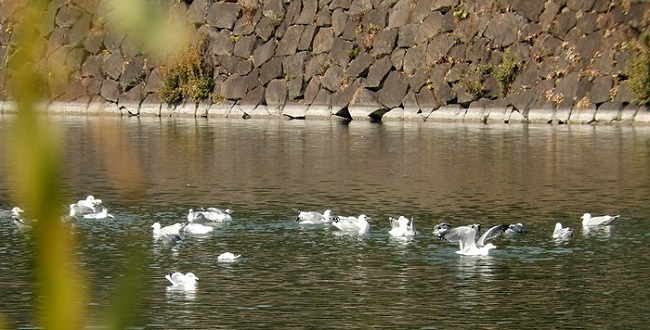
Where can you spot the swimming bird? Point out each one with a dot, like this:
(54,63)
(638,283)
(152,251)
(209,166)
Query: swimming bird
(466,235)
(170,238)
(314,217)
(516,229)
(588,220)
(402,227)
(17,212)
(178,279)
(193,216)
(352,224)
(228,257)
(217,215)
(174,229)
(76,209)
(562,232)
(18,216)
(441,228)
(197,229)
(103,214)
(90,202)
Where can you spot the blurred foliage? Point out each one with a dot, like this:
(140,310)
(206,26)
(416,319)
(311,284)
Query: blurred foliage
(36,162)
(188,76)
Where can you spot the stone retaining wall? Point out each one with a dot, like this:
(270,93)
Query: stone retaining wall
(363,59)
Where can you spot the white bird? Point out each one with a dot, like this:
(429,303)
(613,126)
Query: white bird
(76,209)
(193,216)
(466,235)
(562,232)
(314,218)
(516,229)
(18,216)
(228,257)
(217,215)
(103,214)
(174,229)
(178,279)
(441,228)
(352,224)
(402,227)
(588,220)
(90,202)
(197,229)
(17,212)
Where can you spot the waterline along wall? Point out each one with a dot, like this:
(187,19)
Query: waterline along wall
(499,61)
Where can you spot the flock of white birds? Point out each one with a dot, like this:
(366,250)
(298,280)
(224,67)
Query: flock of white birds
(202,221)
(465,236)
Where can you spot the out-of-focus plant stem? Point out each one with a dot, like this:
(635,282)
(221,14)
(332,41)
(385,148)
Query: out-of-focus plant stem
(35,159)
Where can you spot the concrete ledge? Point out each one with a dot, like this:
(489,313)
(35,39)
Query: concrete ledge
(221,110)
(583,116)
(153,109)
(447,113)
(541,115)
(318,111)
(512,116)
(361,112)
(629,114)
(295,111)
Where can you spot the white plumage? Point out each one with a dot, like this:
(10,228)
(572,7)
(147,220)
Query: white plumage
(562,232)
(217,215)
(588,220)
(359,225)
(466,235)
(197,229)
(180,280)
(314,218)
(228,257)
(402,227)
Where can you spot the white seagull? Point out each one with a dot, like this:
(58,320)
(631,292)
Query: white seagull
(193,216)
(314,218)
(174,229)
(18,216)
(77,209)
(99,215)
(178,279)
(90,202)
(466,235)
(588,220)
(441,228)
(516,229)
(352,224)
(217,215)
(402,227)
(17,212)
(228,257)
(562,232)
(197,229)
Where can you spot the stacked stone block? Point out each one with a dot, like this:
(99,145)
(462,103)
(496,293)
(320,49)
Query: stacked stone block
(365,59)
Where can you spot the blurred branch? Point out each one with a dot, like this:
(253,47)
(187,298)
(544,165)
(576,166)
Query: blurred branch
(36,167)
(36,157)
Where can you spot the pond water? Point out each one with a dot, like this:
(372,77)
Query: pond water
(291,276)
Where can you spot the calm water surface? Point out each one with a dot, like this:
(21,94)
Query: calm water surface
(151,169)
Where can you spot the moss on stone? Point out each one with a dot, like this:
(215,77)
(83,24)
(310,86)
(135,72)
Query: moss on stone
(505,72)
(638,71)
(187,76)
